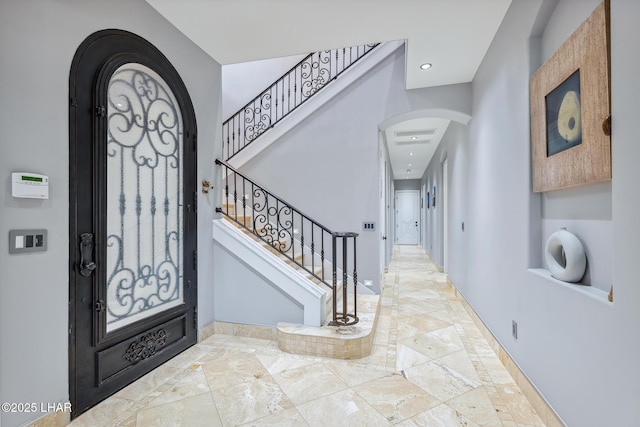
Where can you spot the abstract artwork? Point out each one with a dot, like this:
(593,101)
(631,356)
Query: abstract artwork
(570,110)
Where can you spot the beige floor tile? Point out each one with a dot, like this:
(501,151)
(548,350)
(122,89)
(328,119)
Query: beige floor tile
(518,405)
(191,384)
(228,367)
(342,409)
(278,362)
(440,416)
(423,333)
(407,357)
(109,412)
(395,397)
(476,406)
(250,401)
(435,344)
(309,383)
(460,362)
(355,373)
(415,325)
(378,356)
(289,418)
(193,411)
(439,380)
(189,356)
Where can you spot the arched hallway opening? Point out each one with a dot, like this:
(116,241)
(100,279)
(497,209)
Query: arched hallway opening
(430,365)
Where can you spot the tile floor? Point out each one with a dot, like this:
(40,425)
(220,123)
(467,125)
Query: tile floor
(430,366)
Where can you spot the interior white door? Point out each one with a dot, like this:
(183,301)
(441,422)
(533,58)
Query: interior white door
(407,217)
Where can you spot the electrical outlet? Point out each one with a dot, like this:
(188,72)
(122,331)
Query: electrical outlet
(514,329)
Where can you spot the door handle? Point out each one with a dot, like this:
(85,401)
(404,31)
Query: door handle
(86,255)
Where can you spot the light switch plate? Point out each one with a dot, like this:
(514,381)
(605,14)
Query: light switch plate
(21,241)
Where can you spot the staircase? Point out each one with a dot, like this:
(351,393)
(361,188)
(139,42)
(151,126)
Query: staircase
(321,263)
(324,255)
(285,95)
(240,146)
(312,272)
(340,342)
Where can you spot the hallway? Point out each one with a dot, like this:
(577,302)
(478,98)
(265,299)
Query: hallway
(430,366)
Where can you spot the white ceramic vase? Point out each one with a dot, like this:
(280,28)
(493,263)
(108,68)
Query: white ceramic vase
(565,257)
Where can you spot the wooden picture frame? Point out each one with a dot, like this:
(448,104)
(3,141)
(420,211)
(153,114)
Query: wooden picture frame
(570,110)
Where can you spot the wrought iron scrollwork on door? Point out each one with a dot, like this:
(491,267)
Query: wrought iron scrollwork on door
(144,199)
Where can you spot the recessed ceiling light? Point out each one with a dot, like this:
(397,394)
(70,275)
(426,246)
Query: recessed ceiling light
(411,154)
(425,66)
(409,164)
(414,137)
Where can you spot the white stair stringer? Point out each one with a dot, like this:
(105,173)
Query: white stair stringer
(323,96)
(291,282)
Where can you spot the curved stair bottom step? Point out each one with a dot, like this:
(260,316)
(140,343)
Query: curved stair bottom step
(339,342)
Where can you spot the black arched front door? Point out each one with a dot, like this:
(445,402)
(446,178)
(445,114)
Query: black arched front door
(132,278)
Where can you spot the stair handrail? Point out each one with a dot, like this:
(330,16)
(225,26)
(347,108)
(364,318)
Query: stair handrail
(272,224)
(251,121)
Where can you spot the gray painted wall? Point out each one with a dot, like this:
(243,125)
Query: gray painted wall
(328,166)
(578,350)
(244,81)
(586,210)
(243,295)
(453,147)
(38,39)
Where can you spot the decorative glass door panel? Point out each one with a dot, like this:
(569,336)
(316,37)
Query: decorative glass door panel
(144,197)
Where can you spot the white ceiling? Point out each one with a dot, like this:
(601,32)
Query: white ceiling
(411,145)
(453,35)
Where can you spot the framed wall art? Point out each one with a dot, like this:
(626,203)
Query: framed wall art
(433,197)
(570,110)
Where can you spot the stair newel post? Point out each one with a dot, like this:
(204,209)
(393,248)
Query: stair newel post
(345,282)
(334,257)
(355,279)
(345,318)
(226,186)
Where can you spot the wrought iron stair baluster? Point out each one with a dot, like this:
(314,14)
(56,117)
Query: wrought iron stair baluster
(309,76)
(273,220)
